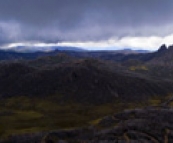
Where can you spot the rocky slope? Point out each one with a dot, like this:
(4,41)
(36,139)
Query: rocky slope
(83,81)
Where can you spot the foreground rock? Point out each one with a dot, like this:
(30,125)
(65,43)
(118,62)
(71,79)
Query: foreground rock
(148,125)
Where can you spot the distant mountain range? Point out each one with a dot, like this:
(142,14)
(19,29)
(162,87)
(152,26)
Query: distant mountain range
(88,90)
(22,52)
(76,74)
(29,49)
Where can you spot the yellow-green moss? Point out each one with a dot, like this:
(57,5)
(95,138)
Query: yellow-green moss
(154,102)
(134,68)
(95,122)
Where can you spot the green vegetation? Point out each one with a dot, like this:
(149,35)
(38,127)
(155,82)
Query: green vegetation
(134,68)
(154,102)
(22,114)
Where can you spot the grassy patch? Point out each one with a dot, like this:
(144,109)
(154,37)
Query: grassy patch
(134,68)
(154,102)
(24,115)
(95,122)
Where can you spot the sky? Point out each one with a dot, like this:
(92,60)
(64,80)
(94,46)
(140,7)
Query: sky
(90,24)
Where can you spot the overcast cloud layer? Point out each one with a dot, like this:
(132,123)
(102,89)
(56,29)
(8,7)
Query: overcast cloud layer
(92,24)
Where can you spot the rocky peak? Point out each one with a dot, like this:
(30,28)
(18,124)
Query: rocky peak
(162,48)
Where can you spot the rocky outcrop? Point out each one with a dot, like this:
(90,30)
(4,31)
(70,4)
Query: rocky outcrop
(162,48)
(149,125)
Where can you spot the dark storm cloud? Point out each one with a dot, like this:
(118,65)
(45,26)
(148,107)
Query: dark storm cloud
(42,12)
(76,20)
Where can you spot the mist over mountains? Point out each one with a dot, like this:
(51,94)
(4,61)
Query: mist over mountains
(24,52)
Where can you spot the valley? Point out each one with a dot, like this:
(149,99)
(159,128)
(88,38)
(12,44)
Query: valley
(67,94)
